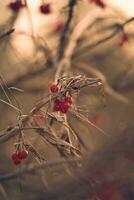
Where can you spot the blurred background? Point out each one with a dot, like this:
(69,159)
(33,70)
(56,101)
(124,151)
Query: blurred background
(22,61)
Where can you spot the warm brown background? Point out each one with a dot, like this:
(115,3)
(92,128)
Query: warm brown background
(18,53)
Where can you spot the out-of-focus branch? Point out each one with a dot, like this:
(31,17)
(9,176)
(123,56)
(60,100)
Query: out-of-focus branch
(34,168)
(7,33)
(3,193)
(78,30)
(94,167)
(116,29)
(63,39)
(125,86)
(85,50)
(107,88)
(65,63)
(34,71)
(125,81)
(30,73)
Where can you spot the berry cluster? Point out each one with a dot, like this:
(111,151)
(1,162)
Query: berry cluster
(16,5)
(60,104)
(99,3)
(45,9)
(17,157)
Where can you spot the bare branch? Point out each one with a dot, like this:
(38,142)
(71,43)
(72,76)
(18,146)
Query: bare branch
(33,168)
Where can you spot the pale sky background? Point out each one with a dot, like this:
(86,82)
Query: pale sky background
(125,5)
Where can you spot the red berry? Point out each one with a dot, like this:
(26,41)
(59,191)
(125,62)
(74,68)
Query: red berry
(17,161)
(16,6)
(45,9)
(14,156)
(22,154)
(64,106)
(54,88)
(57,105)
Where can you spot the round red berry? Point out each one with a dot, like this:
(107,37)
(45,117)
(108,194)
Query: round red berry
(16,6)
(57,105)
(45,9)
(14,156)
(17,161)
(22,154)
(64,106)
(54,88)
